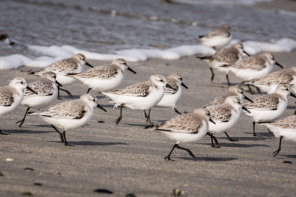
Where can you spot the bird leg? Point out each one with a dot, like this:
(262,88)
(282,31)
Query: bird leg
(89,89)
(229,138)
(120,115)
(186,149)
(23,120)
(213,138)
(168,157)
(66,143)
(279,149)
(250,89)
(227,78)
(61,135)
(147,116)
(64,90)
(213,74)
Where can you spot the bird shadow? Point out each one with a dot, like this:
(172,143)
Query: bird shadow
(220,159)
(26,131)
(238,145)
(92,143)
(291,156)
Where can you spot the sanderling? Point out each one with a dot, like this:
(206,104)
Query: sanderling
(217,38)
(64,67)
(269,107)
(283,129)
(172,92)
(231,91)
(253,67)
(46,89)
(12,95)
(270,82)
(225,117)
(104,78)
(185,128)
(142,96)
(223,57)
(70,114)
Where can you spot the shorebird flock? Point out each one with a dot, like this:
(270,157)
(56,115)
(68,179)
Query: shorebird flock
(218,116)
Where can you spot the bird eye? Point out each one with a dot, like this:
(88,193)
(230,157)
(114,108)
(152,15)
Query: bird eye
(161,80)
(22,82)
(94,100)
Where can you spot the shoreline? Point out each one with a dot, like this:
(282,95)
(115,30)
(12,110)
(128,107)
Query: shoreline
(277,5)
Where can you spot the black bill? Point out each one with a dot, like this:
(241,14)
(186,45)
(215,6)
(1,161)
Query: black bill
(88,64)
(244,108)
(28,88)
(293,95)
(128,68)
(247,98)
(279,65)
(182,84)
(212,120)
(102,108)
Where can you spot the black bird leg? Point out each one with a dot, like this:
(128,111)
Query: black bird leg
(227,77)
(66,143)
(147,116)
(168,157)
(229,138)
(24,118)
(250,89)
(89,89)
(213,74)
(213,138)
(120,115)
(279,149)
(61,135)
(64,90)
(254,130)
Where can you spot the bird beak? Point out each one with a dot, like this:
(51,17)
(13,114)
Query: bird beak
(88,64)
(246,53)
(128,68)
(102,108)
(212,120)
(293,95)
(28,88)
(244,108)
(182,84)
(247,98)
(279,65)
(58,83)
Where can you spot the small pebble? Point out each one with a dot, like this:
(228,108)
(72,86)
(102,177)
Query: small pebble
(105,191)
(289,162)
(31,169)
(8,159)
(38,184)
(27,194)
(101,121)
(1,174)
(130,195)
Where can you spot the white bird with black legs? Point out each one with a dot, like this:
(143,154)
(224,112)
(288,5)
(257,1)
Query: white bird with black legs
(253,67)
(224,57)
(62,68)
(217,38)
(70,114)
(104,78)
(269,107)
(225,117)
(47,91)
(140,96)
(185,128)
(283,129)
(11,96)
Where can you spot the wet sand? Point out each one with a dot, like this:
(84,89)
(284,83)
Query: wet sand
(129,159)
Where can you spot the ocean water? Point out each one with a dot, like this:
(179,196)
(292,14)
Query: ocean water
(46,30)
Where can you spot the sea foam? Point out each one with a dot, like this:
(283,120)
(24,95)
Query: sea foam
(51,54)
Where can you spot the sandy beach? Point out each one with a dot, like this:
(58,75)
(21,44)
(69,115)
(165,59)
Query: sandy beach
(128,160)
